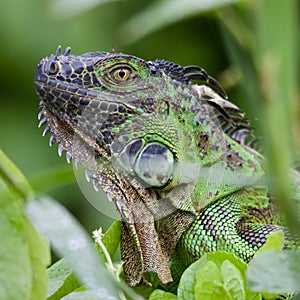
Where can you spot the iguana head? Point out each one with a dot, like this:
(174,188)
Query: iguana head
(131,123)
(123,109)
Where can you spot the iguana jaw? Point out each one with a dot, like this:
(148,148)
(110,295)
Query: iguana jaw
(139,231)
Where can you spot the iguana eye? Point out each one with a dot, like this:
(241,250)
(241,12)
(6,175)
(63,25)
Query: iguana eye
(154,165)
(121,75)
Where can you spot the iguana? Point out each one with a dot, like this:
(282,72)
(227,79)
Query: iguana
(175,157)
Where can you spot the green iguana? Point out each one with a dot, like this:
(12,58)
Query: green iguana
(173,156)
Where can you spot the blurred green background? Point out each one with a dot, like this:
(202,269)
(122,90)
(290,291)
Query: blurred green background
(221,36)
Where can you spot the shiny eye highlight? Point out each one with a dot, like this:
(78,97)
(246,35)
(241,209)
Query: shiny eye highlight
(121,74)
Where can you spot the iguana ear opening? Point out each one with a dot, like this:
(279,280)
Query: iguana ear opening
(151,163)
(154,165)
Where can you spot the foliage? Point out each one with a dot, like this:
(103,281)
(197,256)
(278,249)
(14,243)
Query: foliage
(83,274)
(251,46)
(24,253)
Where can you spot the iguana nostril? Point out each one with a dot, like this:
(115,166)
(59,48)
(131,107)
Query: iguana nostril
(53,67)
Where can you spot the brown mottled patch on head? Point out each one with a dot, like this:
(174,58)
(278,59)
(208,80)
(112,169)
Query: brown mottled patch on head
(203,142)
(251,165)
(232,158)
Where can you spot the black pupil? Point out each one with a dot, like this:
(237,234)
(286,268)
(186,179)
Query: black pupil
(122,73)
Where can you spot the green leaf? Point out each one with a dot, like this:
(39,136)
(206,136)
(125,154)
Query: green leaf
(145,291)
(274,242)
(169,11)
(13,178)
(187,282)
(14,189)
(215,283)
(220,257)
(72,242)
(212,291)
(111,238)
(216,274)
(159,294)
(99,294)
(61,281)
(39,252)
(275,272)
(15,268)
(209,283)
(233,280)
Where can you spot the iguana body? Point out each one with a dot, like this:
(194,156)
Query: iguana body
(170,154)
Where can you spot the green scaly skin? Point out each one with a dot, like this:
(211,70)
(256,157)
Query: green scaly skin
(169,153)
